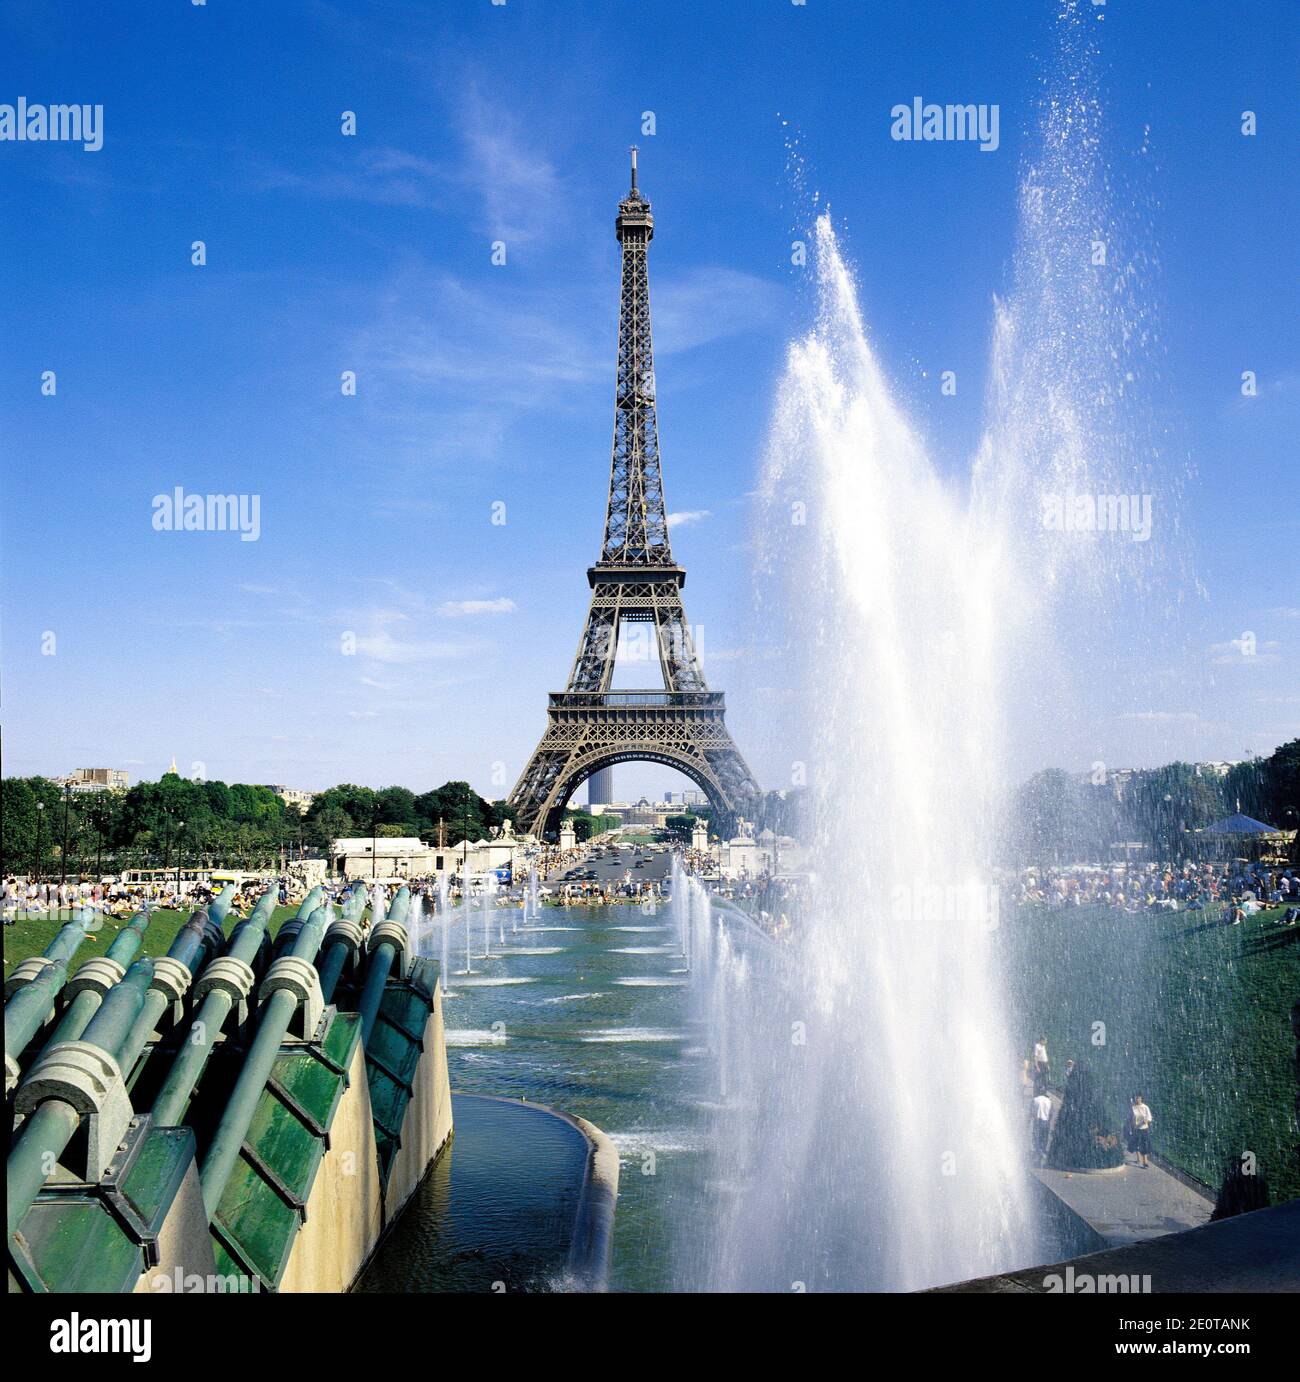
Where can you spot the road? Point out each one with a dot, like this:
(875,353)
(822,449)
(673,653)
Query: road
(615,870)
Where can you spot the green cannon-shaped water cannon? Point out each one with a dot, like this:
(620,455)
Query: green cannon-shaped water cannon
(33,988)
(196,943)
(387,941)
(222,987)
(343,943)
(291,986)
(95,977)
(72,1081)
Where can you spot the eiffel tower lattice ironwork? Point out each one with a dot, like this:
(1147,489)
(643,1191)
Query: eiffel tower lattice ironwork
(589,725)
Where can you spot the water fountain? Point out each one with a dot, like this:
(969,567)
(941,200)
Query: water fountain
(444,959)
(532,897)
(874,1141)
(418,927)
(378,903)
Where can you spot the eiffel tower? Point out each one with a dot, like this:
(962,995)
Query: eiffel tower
(588,725)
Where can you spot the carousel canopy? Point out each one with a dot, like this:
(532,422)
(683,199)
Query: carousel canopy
(1239,825)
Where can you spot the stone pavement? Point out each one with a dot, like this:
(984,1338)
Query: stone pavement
(1127,1204)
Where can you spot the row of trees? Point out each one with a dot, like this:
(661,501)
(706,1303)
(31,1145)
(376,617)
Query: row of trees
(450,813)
(585,825)
(783,813)
(1058,817)
(157,824)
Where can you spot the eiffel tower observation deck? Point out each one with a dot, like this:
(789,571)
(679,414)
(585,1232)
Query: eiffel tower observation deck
(680,724)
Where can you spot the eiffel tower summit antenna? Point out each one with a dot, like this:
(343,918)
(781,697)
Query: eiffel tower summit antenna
(635,580)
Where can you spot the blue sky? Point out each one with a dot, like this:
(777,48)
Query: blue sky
(481,384)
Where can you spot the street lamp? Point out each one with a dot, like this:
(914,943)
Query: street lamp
(374,840)
(180,826)
(464,866)
(40,816)
(98,818)
(63,856)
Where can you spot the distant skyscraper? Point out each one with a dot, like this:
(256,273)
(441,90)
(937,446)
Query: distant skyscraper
(600,787)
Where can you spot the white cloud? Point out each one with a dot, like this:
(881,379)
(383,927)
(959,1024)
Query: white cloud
(1244,650)
(680,519)
(517,185)
(709,303)
(385,176)
(456,609)
(500,348)
(383,647)
(380,644)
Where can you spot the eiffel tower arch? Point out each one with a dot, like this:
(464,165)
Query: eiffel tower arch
(589,725)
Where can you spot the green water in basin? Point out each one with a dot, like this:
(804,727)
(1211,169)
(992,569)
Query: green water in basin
(587,1012)
(497,1211)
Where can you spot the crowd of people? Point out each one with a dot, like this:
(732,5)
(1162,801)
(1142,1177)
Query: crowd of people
(774,903)
(1035,1075)
(1234,890)
(120,900)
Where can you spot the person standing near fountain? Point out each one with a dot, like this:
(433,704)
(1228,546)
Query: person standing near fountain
(1041,1107)
(1140,1135)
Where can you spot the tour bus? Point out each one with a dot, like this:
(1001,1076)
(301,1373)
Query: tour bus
(165,880)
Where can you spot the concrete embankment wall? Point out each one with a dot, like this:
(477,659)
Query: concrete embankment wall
(184,1243)
(593,1231)
(351,1204)
(427,1125)
(1066,1229)
(1251,1252)
(344,1216)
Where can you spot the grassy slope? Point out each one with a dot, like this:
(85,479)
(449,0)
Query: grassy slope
(30,937)
(1197,1017)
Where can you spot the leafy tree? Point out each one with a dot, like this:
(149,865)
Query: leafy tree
(458,806)
(584,824)
(324,827)
(397,807)
(680,827)
(1167,804)
(21,795)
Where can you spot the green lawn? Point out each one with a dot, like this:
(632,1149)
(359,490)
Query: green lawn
(30,936)
(1196,1016)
